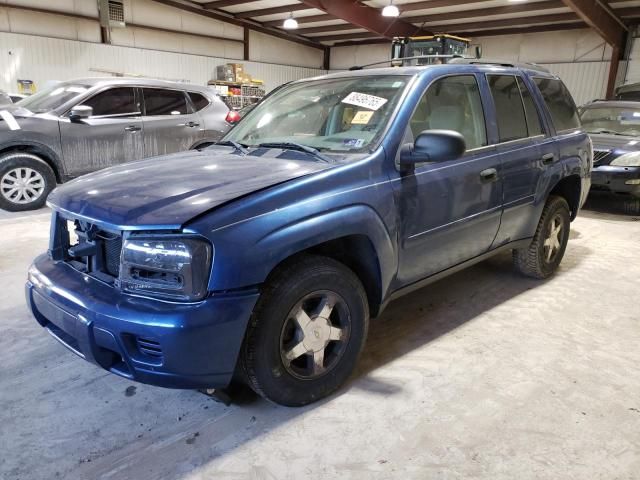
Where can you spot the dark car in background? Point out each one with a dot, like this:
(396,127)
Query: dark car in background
(79,126)
(614,127)
(629,92)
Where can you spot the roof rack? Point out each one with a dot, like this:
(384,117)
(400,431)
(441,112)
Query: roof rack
(397,62)
(499,63)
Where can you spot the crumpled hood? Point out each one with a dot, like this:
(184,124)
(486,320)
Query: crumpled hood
(166,192)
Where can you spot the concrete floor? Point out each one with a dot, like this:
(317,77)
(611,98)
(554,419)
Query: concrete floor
(482,375)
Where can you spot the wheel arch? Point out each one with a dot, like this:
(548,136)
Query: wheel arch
(569,188)
(44,152)
(357,253)
(355,235)
(202,144)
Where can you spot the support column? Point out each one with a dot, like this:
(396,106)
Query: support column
(613,72)
(246,43)
(326,61)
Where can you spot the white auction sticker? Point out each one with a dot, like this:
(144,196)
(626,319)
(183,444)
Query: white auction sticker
(363,100)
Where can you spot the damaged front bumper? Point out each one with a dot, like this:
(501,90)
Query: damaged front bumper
(175,345)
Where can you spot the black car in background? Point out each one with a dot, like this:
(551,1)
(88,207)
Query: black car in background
(614,127)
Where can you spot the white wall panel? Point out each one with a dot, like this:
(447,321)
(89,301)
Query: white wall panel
(549,47)
(266,48)
(82,7)
(43,59)
(344,57)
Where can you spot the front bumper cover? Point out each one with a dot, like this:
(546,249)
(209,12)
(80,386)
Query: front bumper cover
(173,345)
(614,179)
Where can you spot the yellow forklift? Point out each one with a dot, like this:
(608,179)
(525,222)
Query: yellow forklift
(430,50)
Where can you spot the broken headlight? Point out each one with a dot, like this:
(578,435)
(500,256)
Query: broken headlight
(172,268)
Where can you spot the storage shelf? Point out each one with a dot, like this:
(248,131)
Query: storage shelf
(234,84)
(249,93)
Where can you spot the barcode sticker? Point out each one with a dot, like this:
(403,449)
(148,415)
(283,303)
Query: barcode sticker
(364,100)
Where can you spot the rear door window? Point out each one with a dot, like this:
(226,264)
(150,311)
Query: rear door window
(159,101)
(114,101)
(533,118)
(510,114)
(559,102)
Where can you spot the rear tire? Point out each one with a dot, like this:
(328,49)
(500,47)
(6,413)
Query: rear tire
(25,181)
(543,256)
(306,332)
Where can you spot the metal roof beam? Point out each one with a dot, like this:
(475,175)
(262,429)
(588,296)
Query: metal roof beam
(363,16)
(483,33)
(601,18)
(485,12)
(306,19)
(272,11)
(230,18)
(225,3)
(469,26)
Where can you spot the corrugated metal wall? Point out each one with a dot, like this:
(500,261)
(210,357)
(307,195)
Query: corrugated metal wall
(43,59)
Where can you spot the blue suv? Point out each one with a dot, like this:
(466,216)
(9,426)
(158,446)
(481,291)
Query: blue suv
(264,257)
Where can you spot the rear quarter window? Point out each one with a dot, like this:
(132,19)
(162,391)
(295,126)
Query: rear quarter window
(199,101)
(562,108)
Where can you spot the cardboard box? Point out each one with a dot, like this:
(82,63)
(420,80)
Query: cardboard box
(225,73)
(238,70)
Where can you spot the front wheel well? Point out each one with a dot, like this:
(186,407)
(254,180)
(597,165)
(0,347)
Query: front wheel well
(357,253)
(40,152)
(569,188)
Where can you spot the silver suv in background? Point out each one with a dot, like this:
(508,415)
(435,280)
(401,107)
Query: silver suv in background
(79,126)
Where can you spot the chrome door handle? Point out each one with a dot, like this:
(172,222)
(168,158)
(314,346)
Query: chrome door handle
(132,128)
(489,175)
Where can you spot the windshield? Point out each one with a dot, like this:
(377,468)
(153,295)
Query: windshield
(612,120)
(333,115)
(52,97)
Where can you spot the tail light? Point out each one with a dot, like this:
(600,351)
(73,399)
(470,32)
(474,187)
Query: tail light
(232,117)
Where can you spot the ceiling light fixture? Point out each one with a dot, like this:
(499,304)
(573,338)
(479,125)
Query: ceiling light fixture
(290,23)
(390,10)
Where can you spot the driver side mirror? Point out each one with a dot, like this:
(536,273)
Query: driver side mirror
(432,146)
(80,112)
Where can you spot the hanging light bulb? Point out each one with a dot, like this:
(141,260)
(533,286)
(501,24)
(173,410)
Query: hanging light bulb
(390,10)
(290,23)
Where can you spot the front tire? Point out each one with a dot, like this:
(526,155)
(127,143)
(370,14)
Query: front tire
(307,331)
(543,256)
(25,181)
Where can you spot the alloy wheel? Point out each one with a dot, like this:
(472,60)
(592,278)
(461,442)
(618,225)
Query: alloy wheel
(315,335)
(22,185)
(553,241)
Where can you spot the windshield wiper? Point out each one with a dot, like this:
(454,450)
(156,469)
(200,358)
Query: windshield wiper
(299,147)
(238,146)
